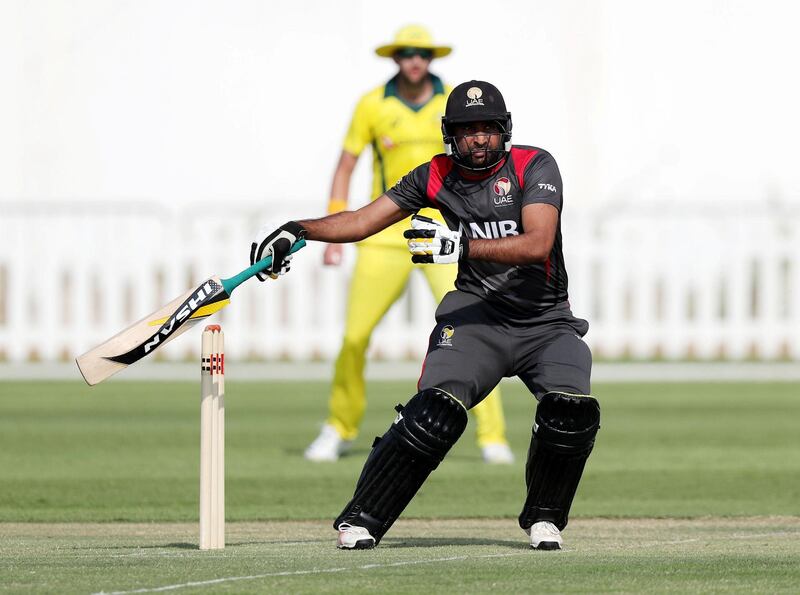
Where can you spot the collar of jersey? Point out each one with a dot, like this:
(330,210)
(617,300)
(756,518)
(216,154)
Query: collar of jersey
(390,90)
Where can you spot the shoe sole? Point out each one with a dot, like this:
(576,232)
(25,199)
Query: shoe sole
(361,544)
(547,546)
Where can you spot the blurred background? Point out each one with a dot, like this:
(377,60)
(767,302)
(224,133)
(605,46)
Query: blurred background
(142,143)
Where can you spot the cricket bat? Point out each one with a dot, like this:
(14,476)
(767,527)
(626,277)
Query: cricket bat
(154,330)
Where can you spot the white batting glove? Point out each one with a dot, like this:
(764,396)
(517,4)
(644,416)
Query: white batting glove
(275,243)
(430,241)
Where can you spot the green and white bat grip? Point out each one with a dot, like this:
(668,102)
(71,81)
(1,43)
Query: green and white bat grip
(232,283)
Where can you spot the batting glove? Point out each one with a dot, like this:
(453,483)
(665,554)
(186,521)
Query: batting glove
(430,241)
(276,244)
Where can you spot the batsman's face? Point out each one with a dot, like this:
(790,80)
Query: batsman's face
(479,140)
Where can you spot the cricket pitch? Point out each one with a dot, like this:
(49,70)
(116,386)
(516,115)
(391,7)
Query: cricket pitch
(737,554)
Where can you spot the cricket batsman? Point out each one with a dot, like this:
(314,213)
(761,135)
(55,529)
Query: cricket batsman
(509,315)
(400,120)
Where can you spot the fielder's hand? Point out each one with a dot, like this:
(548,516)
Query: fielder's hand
(332,255)
(276,244)
(430,241)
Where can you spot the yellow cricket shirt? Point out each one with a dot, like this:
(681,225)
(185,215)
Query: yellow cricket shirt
(402,136)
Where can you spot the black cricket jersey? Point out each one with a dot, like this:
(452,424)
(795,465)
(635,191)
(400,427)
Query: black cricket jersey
(491,207)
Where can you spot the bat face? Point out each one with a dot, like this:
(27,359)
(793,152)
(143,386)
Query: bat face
(153,331)
(198,304)
(148,334)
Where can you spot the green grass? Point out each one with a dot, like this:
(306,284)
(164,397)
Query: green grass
(128,451)
(692,488)
(742,555)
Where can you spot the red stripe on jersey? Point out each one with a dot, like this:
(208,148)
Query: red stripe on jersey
(439,168)
(424,361)
(521,159)
(547,269)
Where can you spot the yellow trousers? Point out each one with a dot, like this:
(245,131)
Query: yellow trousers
(379,278)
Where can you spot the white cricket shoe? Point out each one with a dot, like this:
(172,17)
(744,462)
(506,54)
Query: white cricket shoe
(497,453)
(545,536)
(354,538)
(327,446)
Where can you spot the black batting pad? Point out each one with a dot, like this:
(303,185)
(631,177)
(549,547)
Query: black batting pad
(563,438)
(401,460)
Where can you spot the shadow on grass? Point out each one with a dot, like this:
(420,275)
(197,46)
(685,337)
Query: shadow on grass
(408,542)
(163,546)
(178,546)
(391,543)
(195,546)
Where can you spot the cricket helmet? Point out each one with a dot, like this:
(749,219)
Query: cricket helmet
(475,101)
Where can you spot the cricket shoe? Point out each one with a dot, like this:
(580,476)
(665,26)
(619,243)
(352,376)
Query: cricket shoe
(497,453)
(327,446)
(545,536)
(354,538)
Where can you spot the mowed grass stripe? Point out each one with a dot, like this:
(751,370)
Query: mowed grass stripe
(129,451)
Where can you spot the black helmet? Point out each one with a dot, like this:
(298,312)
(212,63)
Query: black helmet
(475,101)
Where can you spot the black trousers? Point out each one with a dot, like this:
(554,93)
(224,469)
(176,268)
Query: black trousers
(474,345)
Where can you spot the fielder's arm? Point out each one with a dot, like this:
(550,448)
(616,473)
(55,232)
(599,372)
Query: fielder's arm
(340,186)
(340,190)
(539,222)
(353,226)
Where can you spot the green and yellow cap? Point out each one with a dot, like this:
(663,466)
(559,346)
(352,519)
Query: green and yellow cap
(413,36)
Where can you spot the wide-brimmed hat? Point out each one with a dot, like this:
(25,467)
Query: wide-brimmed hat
(413,36)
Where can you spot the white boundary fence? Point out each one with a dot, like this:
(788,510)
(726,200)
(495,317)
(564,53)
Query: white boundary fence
(672,281)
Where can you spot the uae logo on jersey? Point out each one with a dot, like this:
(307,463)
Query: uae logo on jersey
(446,336)
(474,95)
(502,187)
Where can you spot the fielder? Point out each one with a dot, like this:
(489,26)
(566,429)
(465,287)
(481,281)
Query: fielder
(400,120)
(508,316)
